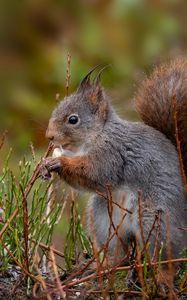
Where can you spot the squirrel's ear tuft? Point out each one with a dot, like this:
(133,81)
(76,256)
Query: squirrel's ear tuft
(98,77)
(94,93)
(97,93)
(85,83)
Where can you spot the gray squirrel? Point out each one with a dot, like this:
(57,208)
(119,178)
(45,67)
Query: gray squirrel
(138,162)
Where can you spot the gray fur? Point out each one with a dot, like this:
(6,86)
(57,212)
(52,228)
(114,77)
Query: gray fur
(131,158)
(136,158)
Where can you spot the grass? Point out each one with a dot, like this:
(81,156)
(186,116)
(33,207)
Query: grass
(74,236)
(31,221)
(29,213)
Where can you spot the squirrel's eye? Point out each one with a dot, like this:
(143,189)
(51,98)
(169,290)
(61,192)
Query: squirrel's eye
(73,119)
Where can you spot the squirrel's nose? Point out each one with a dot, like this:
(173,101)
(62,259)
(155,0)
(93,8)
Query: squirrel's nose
(51,138)
(49,135)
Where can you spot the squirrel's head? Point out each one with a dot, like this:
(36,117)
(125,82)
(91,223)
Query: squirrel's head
(80,116)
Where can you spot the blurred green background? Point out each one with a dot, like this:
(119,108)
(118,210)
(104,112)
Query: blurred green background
(37,35)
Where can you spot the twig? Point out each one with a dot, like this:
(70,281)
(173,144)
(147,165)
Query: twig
(110,210)
(178,143)
(60,288)
(97,254)
(36,171)
(25,216)
(40,297)
(140,271)
(126,293)
(169,255)
(45,247)
(156,220)
(33,152)
(157,236)
(115,203)
(3,138)
(145,242)
(27,190)
(13,215)
(25,228)
(20,265)
(68,74)
(105,272)
(45,286)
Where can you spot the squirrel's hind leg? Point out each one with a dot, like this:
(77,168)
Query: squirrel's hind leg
(107,230)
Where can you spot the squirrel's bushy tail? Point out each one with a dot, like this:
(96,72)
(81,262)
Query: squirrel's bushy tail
(160,96)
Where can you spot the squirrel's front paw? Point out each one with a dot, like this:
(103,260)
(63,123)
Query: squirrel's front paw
(50,165)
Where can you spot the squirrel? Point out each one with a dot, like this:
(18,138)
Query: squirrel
(137,161)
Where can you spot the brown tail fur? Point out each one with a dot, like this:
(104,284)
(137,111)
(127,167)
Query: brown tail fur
(160,96)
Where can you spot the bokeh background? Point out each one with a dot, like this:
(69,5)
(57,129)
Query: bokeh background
(37,35)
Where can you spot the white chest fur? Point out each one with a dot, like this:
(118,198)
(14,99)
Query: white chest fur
(59,151)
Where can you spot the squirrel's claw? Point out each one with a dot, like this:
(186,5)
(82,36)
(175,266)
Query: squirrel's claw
(54,164)
(44,173)
(49,165)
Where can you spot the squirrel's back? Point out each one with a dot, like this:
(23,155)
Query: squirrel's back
(162,97)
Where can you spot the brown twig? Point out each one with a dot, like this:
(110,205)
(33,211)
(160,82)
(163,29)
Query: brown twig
(13,215)
(46,294)
(105,272)
(44,286)
(157,217)
(157,236)
(145,242)
(178,143)
(140,220)
(25,217)
(33,152)
(68,74)
(17,283)
(20,265)
(140,271)
(3,138)
(97,254)
(27,190)
(126,293)
(110,202)
(25,229)
(60,288)
(169,279)
(47,248)
(115,203)
(36,171)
